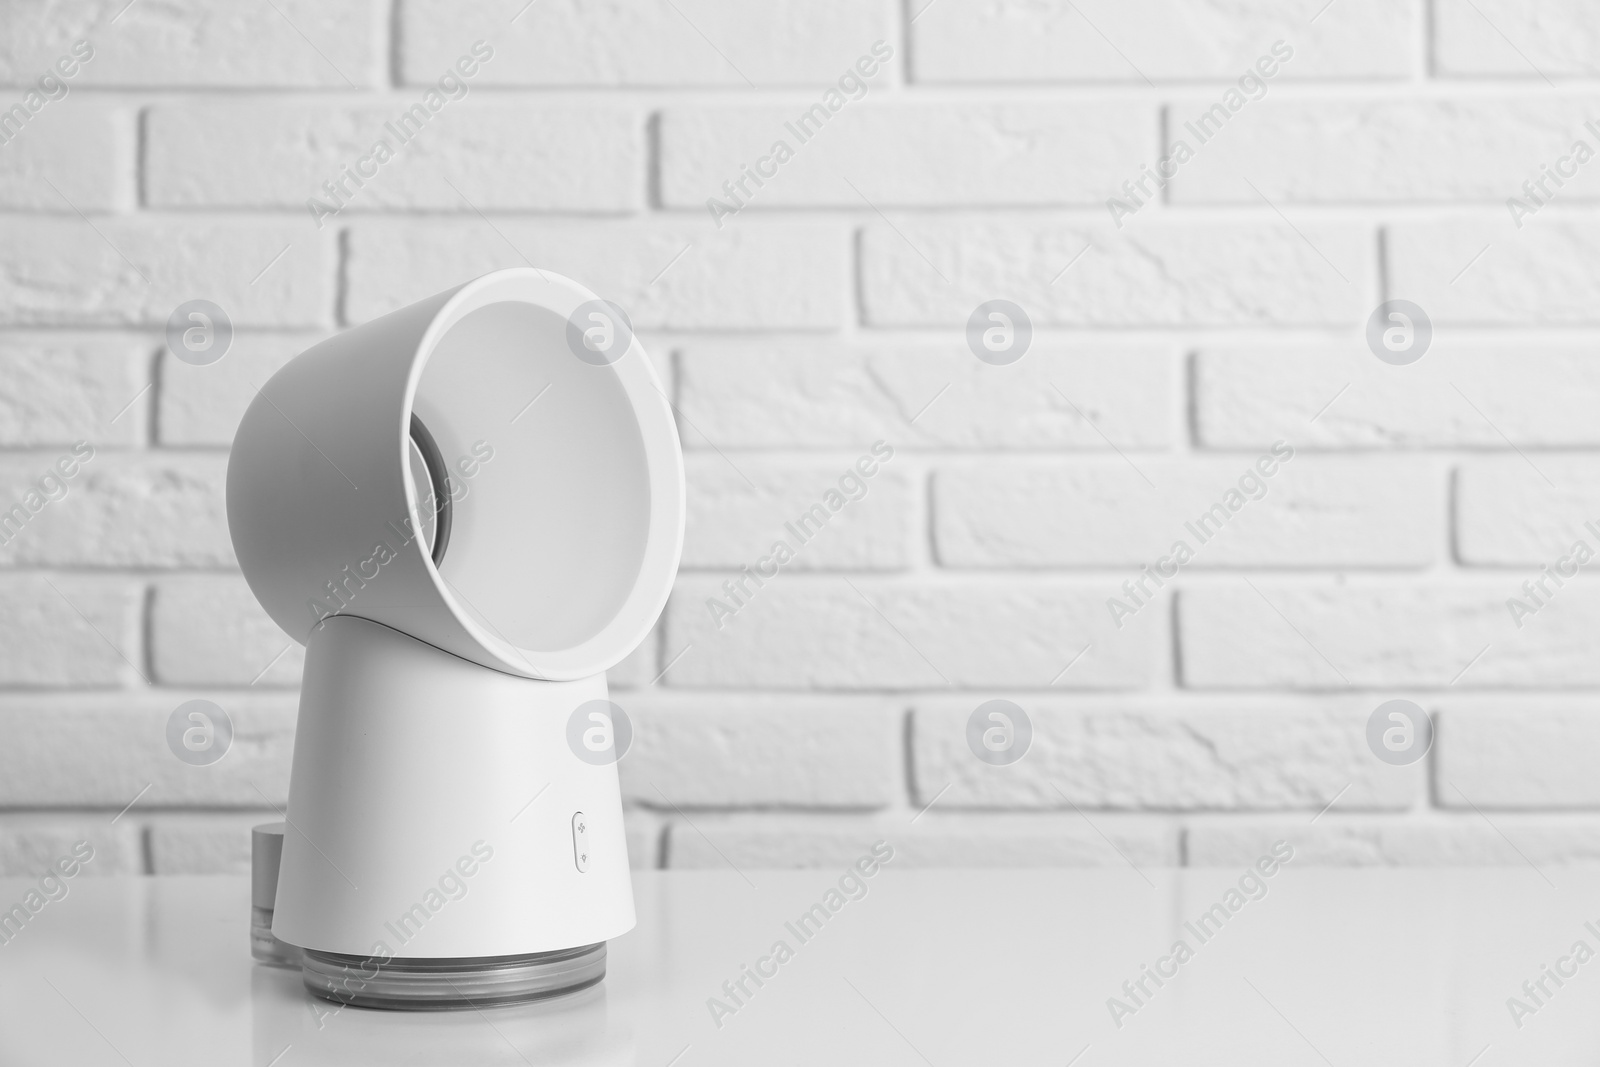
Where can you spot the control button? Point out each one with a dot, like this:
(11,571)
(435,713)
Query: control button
(580,842)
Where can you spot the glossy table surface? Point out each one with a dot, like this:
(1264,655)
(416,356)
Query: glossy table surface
(1330,967)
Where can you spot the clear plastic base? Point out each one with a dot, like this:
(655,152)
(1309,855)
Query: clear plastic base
(415,984)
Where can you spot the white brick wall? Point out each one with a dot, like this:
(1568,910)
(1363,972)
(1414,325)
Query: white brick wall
(975,163)
(578,158)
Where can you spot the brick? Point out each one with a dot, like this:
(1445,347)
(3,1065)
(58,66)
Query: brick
(209,630)
(83,149)
(1158,40)
(902,154)
(1377,151)
(1547,273)
(202,405)
(1502,38)
(645,833)
(500,156)
(203,844)
(732,522)
(825,394)
(655,42)
(101,750)
(1334,841)
(31,844)
(760,752)
(127,509)
(936,273)
(208,43)
(775,276)
(756,842)
(61,389)
(805,632)
(1312,512)
(1137,756)
(1537,397)
(86,281)
(74,634)
(1382,638)
(1517,756)
(1509,514)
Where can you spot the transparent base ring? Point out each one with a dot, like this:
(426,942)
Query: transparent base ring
(417,984)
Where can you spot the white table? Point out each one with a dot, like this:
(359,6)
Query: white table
(1340,967)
